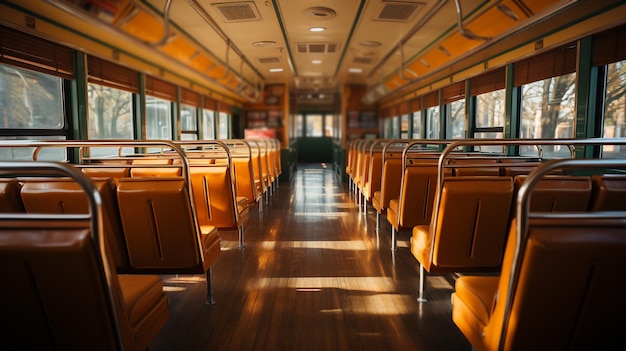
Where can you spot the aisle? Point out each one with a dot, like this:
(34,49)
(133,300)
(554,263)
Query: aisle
(313,276)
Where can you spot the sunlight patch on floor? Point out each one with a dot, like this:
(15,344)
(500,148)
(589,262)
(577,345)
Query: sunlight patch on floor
(362,284)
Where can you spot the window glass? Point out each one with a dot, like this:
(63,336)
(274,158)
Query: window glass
(548,109)
(314,125)
(615,108)
(490,109)
(224,125)
(188,122)
(299,125)
(208,124)
(329,125)
(158,118)
(417,125)
(404,126)
(490,135)
(30,100)
(395,127)
(432,122)
(455,120)
(26,153)
(110,116)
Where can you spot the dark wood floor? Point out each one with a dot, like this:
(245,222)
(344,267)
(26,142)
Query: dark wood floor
(313,276)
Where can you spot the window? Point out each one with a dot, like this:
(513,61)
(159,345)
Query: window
(109,117)
(614,122)
(314,125)
(548,110)
(490,118)
(417,125)
(188,122)
(30,100)
(32,104)
(455,120)
(395,127)
(432,122)
(299,125)
(404,126)
(329,125)
(208,124)
(158,118)
(223,125)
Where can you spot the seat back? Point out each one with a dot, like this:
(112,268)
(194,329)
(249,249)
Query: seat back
(584,256)
(65,196)
(390,182)
(417,193)
(213,196)
(559,193)
(158,224)
(374,175)
(152,169)
(609,193)
(471,224)
(58,296)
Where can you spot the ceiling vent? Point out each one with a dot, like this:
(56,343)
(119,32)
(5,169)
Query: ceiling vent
(398,11)
(238,11)
(317,48)
(275,59)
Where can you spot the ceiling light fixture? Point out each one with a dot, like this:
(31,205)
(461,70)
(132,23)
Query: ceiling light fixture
(355,70)
(317,29)
(275,70)
(263,43)
(316,62)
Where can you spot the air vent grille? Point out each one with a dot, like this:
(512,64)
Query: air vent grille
(398,11)
(317,48)
(274,59)
(239,11)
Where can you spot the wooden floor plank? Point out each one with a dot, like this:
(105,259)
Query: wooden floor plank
(314,275)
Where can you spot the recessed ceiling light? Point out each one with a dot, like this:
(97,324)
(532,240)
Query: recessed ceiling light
(317,29)
(263,43)
(274,70)
(316,62)
(355,70)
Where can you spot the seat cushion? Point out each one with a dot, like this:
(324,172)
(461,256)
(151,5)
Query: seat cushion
(477,293)
(140,293)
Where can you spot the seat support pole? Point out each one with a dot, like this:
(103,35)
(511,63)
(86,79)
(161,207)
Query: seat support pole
(209,286)
(421,298)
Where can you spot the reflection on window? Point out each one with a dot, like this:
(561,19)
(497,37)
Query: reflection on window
(314,126)
(432,122)
(224,126)
(158,118)
(188,122)
(417,125)
(30,100)
(208,124)
(548,110)
(455,120)
(615,109)
(490,109)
